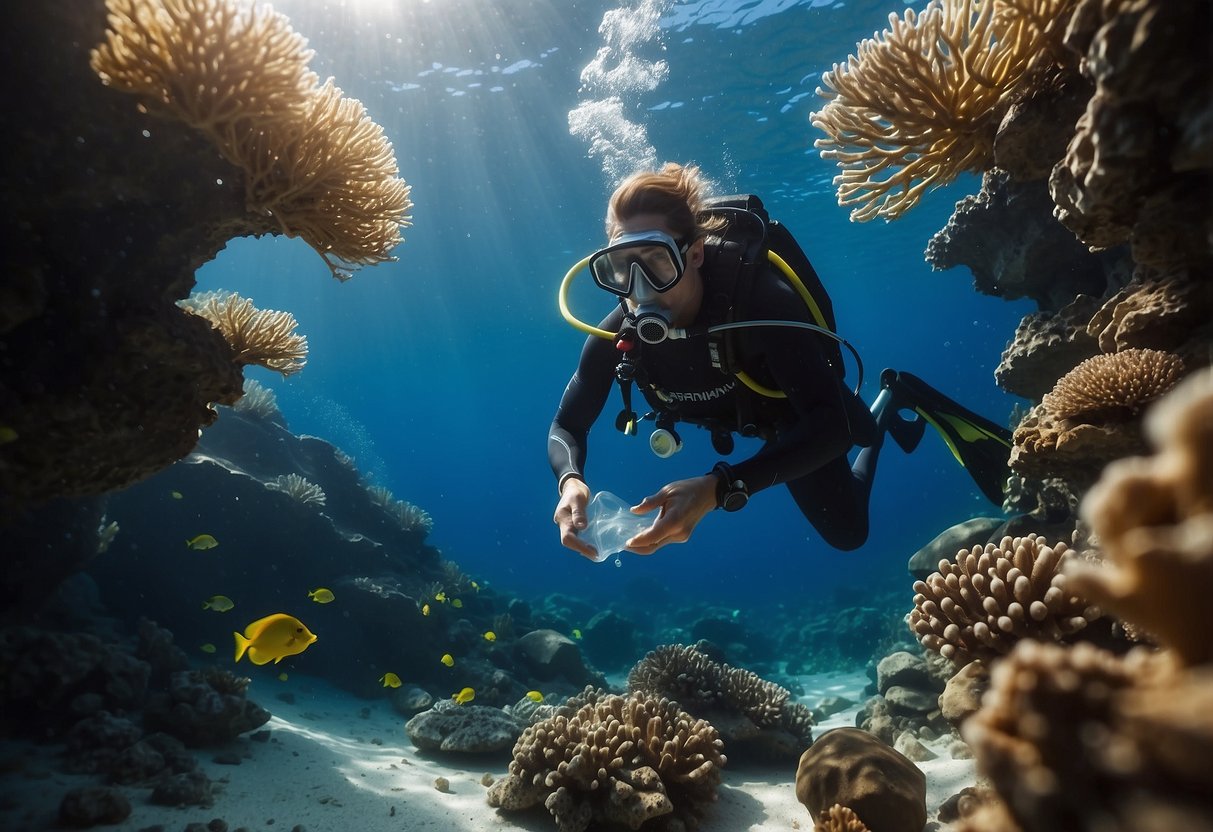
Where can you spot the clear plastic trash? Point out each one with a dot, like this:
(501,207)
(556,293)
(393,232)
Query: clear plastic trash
(611,524)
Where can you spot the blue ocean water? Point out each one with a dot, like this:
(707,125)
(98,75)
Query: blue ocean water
(439,373)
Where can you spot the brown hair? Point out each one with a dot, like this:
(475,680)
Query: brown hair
(675,192)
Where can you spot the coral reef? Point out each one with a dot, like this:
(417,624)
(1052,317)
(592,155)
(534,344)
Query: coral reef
(1007,236)
(1153,518)
(851,768)
(754,716)
(115,207)
(839,818)
(980,605)
(1046,346)
(1092,415)
(312,159)
(259,401)
(204,708)
(920,103)
(1137,168)
(257,336)
(298,488)
(630,760)
(1079,739)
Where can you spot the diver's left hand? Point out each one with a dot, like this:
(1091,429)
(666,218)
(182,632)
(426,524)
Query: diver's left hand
(683,504)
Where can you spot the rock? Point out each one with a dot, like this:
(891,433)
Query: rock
(92,805)
(910,701)
(947,543)
(904,669)
(831,705)
(410,699)
(192,788)
(853,768)
(550,655)
(471,729)
(962,695)
(205,708)
(909,745)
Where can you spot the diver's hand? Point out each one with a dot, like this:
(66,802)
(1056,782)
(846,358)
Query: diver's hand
(570,516)
(683,504)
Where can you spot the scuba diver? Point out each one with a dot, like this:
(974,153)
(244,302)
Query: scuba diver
(723,323)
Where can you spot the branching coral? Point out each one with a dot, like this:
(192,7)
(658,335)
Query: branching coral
(258,401)
(298,488)
(989,599)
(314,159)
(920,102)
(839,819)
(1154,521)
(744,706)
(614,760)
(256,336)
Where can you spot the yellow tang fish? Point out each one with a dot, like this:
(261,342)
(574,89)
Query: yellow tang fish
(202,541)
(457,604)
(273,638)
(465,695)
(207,648)
(390,680)
(282,677)
(440,597)
(534,696)
(321,595)
(448,660)
(577,634)
(218,603)
(176,495)
(425,609)
(475,586)
(490,636)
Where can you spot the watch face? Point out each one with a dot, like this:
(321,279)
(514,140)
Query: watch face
(735,500)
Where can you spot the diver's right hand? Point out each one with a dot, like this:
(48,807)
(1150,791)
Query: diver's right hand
(571,518)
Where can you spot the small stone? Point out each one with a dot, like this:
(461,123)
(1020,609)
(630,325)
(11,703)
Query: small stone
(960,750)
(217,825)
(92,805)
(487,780)
(442,784)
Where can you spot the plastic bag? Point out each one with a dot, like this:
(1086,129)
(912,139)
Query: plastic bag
(611,524)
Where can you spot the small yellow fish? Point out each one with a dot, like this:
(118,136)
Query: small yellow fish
(490,636)
(577,634)
(534,696)
(176,495)
(448,660)
(7,435)
(202,541)
(390,680)
(218,603)
(440,597)
(282,677)
(425,609)
(475,586)
(207,648)
(321,595)
(273,638)
(464,696)
(457,604)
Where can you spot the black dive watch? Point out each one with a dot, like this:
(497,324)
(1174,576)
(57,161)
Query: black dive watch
(731,493)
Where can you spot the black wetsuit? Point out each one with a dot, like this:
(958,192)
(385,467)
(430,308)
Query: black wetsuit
(808,434)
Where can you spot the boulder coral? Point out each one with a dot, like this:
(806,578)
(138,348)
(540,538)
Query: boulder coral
(632,761)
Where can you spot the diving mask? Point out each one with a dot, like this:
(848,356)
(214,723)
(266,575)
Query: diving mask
(636,262)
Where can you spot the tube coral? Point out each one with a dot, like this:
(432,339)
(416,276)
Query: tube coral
(314,160)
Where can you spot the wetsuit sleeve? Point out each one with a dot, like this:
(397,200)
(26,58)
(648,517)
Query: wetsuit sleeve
(582,402)
(823,410)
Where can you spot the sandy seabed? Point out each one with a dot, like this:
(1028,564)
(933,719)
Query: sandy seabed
(335,763)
